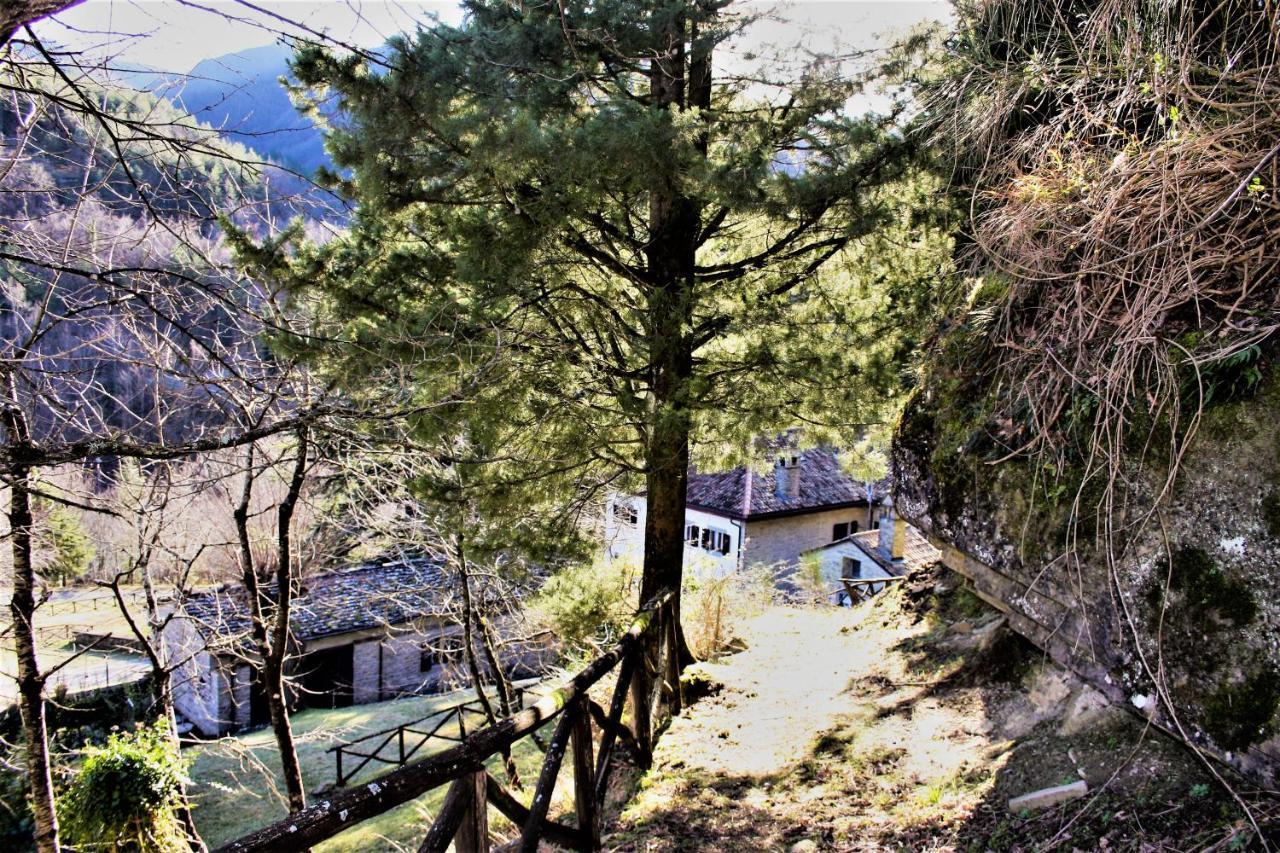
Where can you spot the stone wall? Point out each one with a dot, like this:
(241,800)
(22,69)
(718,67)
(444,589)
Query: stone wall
(781,541)
(1194,588)
(198,684)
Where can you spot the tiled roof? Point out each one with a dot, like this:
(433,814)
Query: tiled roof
(916,550)
(743,493)
(364,596)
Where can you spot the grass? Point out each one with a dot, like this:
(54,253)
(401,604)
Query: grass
(237,786)
(97,612)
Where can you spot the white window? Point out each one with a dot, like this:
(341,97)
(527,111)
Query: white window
(707,538)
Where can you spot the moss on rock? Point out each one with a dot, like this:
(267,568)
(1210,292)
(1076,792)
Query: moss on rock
(1271,512)
(1243,713)
(1208,596)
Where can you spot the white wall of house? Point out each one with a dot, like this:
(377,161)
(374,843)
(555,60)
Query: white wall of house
(767,542)
(718,537)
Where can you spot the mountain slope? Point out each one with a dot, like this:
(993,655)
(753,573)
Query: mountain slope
(241,94)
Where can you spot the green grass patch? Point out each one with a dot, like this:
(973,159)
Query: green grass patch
(237,784)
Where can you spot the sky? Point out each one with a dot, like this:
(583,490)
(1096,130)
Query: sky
(173,36)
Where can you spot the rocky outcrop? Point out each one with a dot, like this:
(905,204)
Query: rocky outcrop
(1184,626)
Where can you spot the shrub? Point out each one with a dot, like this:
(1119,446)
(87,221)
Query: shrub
(66,549)
(126,794)
(712,608)
(588,605)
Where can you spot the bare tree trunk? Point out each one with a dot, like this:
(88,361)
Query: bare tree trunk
(286,581)
(489,645)
(273,643)
(19,13)
(22,608)
(469,653)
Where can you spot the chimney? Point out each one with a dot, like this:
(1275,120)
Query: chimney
(787,477)
(893,532)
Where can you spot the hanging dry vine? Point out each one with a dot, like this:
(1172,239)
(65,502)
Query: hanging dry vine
(1124,158)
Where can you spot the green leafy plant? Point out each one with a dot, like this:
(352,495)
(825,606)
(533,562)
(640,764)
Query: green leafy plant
(126,795)
(588,604)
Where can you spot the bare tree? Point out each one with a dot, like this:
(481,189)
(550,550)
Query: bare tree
(125,332)
(270,608)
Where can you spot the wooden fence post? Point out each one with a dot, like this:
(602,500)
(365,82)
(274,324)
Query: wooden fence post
(641,713)
(672,662)
(473,833)
(532,831)
(463,817)
(584,783)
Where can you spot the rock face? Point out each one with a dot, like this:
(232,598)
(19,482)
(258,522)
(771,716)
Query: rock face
(1204,608)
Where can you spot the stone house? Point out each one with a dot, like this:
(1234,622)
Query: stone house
(745,518)
(366,633)
(892,550)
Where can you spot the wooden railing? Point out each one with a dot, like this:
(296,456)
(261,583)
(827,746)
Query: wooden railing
(862,589)
(408,738)
(647,662)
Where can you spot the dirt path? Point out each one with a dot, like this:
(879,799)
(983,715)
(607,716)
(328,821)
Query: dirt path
(905,724)
(794,677)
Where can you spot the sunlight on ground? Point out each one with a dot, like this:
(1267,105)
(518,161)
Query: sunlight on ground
(897,725)
(238,787)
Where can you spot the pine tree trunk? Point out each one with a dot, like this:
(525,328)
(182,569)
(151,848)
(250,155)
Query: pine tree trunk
(22,609)
(674,225)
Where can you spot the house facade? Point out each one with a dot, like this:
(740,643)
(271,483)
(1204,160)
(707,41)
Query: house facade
(892,550)
(363,634)
(745,518)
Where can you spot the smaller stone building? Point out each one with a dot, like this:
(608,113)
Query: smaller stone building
(370,632)
(893,550)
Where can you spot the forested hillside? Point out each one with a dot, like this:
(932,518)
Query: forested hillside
(115,208)
(242,96)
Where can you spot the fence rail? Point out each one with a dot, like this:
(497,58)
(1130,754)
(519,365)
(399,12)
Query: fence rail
(647,661)
(862,589)
(419,731)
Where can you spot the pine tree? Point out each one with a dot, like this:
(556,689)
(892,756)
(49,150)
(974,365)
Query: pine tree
(69,549)
(586,247)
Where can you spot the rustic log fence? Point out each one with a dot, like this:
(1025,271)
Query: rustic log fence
(397,746)
(646,658)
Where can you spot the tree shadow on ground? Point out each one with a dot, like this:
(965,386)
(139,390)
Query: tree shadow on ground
(963,716)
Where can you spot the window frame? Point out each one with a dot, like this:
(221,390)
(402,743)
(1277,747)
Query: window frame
(441,650)
(625,513)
